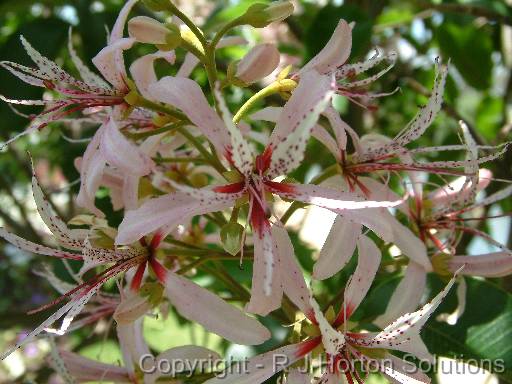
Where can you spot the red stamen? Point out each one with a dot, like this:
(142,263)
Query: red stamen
(307,346)
(230,188)
(159,269)
(280,187)
(263,160)
(137,278)
(156,240)
(342,315)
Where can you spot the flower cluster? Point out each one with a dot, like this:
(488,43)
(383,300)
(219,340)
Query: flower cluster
(198,185)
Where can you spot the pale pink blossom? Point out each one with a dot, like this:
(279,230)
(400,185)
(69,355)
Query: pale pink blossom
(284,153)
(259,62)
(340,344)
(77,95)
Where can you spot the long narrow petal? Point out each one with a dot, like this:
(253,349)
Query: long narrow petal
(240,153)
(52,71)
(262,367)
(407,295)
(403,372)
(165,211)
(452,318)
(118,28)
(495,197)
(267,287)
(368,263)
(426,115)
(69,311)
(86,74)
(72,239)
(444,195)
(200,305)
(294,285)
(335,52)
(91,167)
(29,246)
(336,201)
(143,72)
(496,264)
(132,343)
(85,370)
(26,74)
(59,285)
(186,95)
(332,340)
(298,117)
(419,123)
(98,256)
(189,356)
(408,325)
(410,245)
(337,249)
(339,127)
(110,62)
(122,154)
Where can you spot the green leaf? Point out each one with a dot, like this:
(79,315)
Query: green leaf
(470,50)
(395,15)
(489,116)
(483,333)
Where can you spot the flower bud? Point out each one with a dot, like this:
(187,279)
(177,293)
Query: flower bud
(231,237)
(258,63)
(260,15)
(147,30)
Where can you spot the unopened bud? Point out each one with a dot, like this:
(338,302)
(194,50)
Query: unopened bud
(231,236)
(260,15)
(148,30)
(258,63)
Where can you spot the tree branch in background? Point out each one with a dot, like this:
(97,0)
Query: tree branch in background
(467,9)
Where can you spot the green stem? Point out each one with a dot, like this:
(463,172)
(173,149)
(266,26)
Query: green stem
(153,132)
(202,150)
(232,24)
(180,160)
(189,23)
(145,103)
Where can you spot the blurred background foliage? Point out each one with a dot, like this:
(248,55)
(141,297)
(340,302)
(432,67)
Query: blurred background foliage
(475,35)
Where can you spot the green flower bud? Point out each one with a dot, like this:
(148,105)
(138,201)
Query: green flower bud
(260,15)
(231,237)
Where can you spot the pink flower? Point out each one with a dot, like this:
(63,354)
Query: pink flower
(240,328)
(342,346)
(283,154)
(77,95)
(259,62)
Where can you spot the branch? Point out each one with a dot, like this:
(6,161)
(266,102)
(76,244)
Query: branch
(467,9)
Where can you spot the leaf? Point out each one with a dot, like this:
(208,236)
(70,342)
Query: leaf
(470,50)
(489,115)
(395,15)
(484,331)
